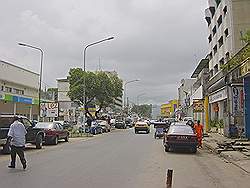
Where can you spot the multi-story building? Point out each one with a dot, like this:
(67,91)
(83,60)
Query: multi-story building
(18,91)
(227,21)
(168,109)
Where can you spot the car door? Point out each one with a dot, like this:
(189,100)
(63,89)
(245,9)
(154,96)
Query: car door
(57,130)
(61,130)
(31,133)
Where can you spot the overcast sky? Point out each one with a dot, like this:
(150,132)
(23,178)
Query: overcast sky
(157,41)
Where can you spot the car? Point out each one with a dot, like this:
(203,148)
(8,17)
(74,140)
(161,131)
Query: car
(120,123)
(180,135)
(105,126)
(186,119)
(169,121)
(142,126)
(65,124)
(95,128)
(160,127)
(34,135)
(54,132)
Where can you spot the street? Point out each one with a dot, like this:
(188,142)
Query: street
(120,159)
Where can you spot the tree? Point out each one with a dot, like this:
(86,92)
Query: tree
(101,88)
(144,110)
(246,37)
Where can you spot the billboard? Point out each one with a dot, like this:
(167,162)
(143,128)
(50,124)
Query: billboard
(49,109)
(238,100)
(198,105)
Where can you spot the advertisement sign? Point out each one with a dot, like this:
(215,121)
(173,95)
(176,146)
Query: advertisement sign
(198,105)
(238,100)
(245,68)
(218,96)
(49,109)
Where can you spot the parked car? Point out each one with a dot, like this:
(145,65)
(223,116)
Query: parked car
(95,128)
(186,119)
(54,132)
(128,122)
(105,126)
(34,135)
(142,126)
(180,135)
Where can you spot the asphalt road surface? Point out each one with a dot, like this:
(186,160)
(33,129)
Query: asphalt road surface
(120,160)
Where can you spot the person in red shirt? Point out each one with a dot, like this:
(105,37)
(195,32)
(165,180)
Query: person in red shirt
(199,132)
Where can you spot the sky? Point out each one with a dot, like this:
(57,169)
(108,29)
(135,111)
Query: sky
(158,42)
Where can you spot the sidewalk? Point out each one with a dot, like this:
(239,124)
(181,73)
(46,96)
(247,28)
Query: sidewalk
(236,151)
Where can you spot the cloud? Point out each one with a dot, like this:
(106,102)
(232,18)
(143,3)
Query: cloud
(158,41)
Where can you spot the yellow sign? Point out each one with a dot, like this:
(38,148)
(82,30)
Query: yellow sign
(245,68)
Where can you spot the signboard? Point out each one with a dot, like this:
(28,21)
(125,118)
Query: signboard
(49,109)
(238,100)
(218,96)
(245,68)
(1,95)
(198,105)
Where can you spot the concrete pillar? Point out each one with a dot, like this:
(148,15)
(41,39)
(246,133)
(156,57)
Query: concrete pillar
(206,109)
(14,109)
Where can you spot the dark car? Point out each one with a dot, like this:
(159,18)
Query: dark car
(34,135)
(180,136)
(54,132)
(95,128)
(120,123)
(160,127)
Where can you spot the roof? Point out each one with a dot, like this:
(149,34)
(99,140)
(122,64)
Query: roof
(203,64)
(18,67)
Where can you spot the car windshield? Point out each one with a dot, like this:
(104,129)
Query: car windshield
(44,125)
(180,129)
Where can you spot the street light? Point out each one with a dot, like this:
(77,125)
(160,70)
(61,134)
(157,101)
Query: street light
(124,96)
(84,68)
(40,76)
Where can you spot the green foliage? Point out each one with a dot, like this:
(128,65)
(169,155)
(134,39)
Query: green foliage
(235,61)
(101,87)
(246,37)
(217,123)
(144,110)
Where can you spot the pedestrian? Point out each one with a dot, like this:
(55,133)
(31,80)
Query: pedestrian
(16,141)
(89,122)
(199,132)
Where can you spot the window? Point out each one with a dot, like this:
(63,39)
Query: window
(221,62)
(8,89)
(227,56)
(216,69)
(210,38)
(26,123)
(18,91)
(226,33)
(214,30)
(225,10)
(219,21)
(215,49)
(220,42)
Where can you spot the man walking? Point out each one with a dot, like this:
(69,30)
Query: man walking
(199,132)
(16,140)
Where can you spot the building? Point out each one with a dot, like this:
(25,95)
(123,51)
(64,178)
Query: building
(18,90)
(198,99)
(168,109)
(67,108)
(184,93)
(227,22)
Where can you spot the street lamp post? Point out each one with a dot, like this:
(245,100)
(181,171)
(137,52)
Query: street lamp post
(124,95)
(40,76)
(84,69)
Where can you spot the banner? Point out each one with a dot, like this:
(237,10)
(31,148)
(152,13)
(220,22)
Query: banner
(198,105)
(49,109)
(238,100)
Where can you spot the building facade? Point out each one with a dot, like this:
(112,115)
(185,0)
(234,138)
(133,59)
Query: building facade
(18,91)
(227,21)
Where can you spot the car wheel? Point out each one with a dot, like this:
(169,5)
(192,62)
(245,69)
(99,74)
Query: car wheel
(39,141)
(194,149)
(166,148)
(55,141)
(67,138)
(94,133)
(6,149)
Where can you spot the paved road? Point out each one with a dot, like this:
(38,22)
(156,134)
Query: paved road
(120,160)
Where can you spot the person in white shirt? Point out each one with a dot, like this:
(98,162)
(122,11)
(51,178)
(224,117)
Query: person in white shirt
(16,139)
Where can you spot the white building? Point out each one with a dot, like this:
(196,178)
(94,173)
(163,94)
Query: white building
(18,90)
(227,20)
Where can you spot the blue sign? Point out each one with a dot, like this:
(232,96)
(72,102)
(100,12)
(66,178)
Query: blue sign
(22,100)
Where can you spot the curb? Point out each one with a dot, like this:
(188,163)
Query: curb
(214,150)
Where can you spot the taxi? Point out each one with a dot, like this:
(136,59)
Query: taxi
(142,127)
